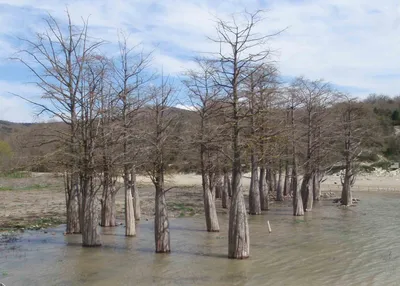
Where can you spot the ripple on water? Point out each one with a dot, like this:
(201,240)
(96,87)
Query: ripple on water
(330,246)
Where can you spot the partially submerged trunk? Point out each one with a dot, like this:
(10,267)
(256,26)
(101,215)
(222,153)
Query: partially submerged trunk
(279,183)
(108,209)
(286,183)
(317,186)
(229,187)
(90,216)
(72,190)
(347,198)
(218,188)
(305,191)
(298,209)
(239,238)
(161,223)
(135,195)
(254,192)
(262,186)
(130,227)
(210,210)
(225,193)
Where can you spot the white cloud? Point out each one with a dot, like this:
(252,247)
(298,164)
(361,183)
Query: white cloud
(349,43)
(16,109)
(185,107)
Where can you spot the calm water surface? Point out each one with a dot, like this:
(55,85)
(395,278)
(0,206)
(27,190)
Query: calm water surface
(330,246)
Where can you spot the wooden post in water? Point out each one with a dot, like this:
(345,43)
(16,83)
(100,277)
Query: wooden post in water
(269,226)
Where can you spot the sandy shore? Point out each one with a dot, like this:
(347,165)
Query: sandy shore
(25,201)
(364,182)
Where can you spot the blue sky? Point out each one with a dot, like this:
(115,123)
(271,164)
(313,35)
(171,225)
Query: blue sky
(354,44)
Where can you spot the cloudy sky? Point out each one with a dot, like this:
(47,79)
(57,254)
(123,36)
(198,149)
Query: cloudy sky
(354,44)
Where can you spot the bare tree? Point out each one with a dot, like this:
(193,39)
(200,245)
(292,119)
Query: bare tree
(57,58)
(352,117)
(159,137)
(313,97)
(203,95)
(236,57)
(130,77)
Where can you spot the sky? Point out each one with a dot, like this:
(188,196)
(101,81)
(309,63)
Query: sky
(353,44)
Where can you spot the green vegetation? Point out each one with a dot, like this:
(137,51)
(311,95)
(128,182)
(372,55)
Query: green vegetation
(26,188)
(41,223)
(16,175)
(184,210)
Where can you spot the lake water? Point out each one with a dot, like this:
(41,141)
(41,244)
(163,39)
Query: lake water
(330,246)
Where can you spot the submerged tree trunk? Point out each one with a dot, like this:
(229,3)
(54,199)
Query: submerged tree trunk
(279,183)
(286,184)
(254,192)
(135,195)
(90,229)
(108,209)
(298,209)
(347,198)
(210,210)
(225,193)
(317,186)
(161,223)
(218,187)
(239,238)
(264,199)
(130,227)
(305,190)
(72,202)
(229,187)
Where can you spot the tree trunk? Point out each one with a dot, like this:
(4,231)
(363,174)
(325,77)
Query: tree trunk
(225,193)
(310,193)
(298,209)
(218,188)
(305,190)
(279,184)
(264,199)
(210,211)
(108,210)
(239,238)
(347,198)
(161,223)
(254,192)
(135,195)
(317,186)
(229,187)
(286,184)
(72,202)
(90,231)
(130,227)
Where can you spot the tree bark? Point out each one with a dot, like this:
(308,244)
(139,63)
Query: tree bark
(254,192)
(305,190)
(229,187)
(90,216)
(108,210)
(279,184)
(161,223)
(264,199)
(347,198)
(210,211)
(298,209)
(135,195)
(225,193)
(218,188)
(317,186)
(239,238)
(72,203)
(130,227)
(286,184)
